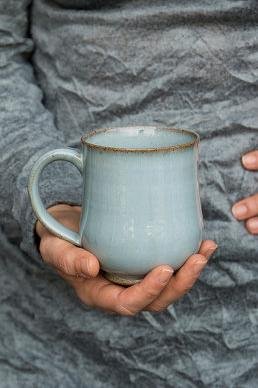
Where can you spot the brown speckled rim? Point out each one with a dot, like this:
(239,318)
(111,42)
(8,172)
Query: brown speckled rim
(172,148)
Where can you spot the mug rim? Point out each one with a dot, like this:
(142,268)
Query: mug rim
(172,148)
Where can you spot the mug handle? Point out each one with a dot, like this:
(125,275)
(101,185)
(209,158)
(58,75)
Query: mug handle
(68,155)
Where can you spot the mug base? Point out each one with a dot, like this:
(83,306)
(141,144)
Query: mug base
(123,280)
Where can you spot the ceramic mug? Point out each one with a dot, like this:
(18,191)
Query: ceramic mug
(141,204)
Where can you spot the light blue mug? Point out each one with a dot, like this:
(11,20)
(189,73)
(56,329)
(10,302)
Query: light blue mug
(141,204)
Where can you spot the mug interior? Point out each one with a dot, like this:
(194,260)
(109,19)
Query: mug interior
(140,137)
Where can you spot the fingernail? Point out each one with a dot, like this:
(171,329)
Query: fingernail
(253,225)
(249,160)
(165,275)
(210,251)
(199,265)
(239,211)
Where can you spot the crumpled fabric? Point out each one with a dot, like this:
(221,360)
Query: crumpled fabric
(67,67)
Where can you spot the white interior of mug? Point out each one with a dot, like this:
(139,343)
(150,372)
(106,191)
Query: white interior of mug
(140,137)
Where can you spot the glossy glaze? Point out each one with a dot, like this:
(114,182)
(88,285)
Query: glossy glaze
(140,209)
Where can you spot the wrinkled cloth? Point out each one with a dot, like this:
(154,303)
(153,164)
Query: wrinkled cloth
(67,67)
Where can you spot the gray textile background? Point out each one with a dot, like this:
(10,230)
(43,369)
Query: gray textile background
(67,67)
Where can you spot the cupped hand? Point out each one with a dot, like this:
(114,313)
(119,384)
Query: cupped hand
(247,209)
(80,268)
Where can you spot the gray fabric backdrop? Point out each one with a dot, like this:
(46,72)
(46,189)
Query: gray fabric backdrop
(67,67)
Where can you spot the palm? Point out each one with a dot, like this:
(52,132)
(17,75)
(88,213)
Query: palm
(81,269)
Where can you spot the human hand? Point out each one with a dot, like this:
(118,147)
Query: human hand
(80,268)
(247,209)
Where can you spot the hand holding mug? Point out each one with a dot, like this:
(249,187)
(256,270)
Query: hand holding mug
(140,205)
(140,219)
(160,288)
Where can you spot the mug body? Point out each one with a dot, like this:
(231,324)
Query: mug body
(141,203)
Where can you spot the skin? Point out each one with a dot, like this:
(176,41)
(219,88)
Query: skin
(160,288)
(247,209)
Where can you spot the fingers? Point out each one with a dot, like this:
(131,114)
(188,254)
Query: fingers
(67,258)
(250,160)
(252,225)
(65,214)
(155,292)
(185,278)
(137,297)
(103,294)
(207,248)
(246,208)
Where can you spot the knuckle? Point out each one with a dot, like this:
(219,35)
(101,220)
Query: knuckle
(252,203)
(84,298)
(77,265)
(186,290)
(150,293)
(187,287)
(67,253)
(190,278)
(65,261)
(62,264)
(182,289)
(157,308)
(123,310)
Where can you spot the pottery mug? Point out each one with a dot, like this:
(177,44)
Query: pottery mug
(141,204)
